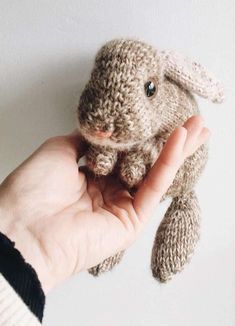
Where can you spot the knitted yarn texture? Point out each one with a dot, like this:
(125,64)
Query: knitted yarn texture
(135,97)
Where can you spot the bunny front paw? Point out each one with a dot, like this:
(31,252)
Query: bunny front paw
(132,174)
(101,162)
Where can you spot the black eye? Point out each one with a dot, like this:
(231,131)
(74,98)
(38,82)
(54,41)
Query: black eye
(150,88)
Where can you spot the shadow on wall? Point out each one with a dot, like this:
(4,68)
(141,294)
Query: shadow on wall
(43,105)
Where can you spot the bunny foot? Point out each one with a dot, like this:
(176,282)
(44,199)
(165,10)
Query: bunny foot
(132,174)
(101,161)
(176,237)
(106,265)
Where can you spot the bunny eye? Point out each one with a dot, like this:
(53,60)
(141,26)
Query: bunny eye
(150,88)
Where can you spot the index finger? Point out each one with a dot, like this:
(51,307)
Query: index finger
(181,143)
(161,174)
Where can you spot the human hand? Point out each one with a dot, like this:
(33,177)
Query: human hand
(62,221)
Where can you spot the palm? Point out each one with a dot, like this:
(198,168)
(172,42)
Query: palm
(102,207)
(57,200)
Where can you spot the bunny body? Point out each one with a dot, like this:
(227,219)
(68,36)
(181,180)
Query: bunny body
(137,96)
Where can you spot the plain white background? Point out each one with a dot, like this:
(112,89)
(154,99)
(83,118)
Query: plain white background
(46,54)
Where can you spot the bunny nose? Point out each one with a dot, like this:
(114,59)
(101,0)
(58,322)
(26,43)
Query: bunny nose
(103,134)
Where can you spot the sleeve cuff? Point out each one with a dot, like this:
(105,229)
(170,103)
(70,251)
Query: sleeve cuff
(13,311)
(21,276)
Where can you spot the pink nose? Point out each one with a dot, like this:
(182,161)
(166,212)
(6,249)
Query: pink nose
(103,134)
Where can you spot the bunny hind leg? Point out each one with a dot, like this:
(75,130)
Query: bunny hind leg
(176,237)
(106,265)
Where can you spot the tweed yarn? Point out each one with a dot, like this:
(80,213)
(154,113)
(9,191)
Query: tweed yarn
(114,101)
(193,76)
(106,265)
(176,237)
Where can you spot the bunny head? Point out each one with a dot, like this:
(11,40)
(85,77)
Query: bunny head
(119,98)
(124,101)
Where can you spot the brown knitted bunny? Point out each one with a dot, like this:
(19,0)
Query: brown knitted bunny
(135,98)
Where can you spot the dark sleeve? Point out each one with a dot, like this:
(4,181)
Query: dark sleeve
(21,276)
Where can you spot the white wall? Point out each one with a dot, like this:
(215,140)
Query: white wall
(46,53)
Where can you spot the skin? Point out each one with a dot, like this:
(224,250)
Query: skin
(63,221)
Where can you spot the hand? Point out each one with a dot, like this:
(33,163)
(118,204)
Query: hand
(63,222)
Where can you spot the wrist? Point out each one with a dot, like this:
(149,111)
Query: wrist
(21,276)
(7,211)
(33,237)
(6,225)
(13,228)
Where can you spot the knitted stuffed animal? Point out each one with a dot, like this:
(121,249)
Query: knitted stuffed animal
(135,98)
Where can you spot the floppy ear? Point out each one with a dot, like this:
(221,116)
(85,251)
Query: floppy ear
(192,76)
